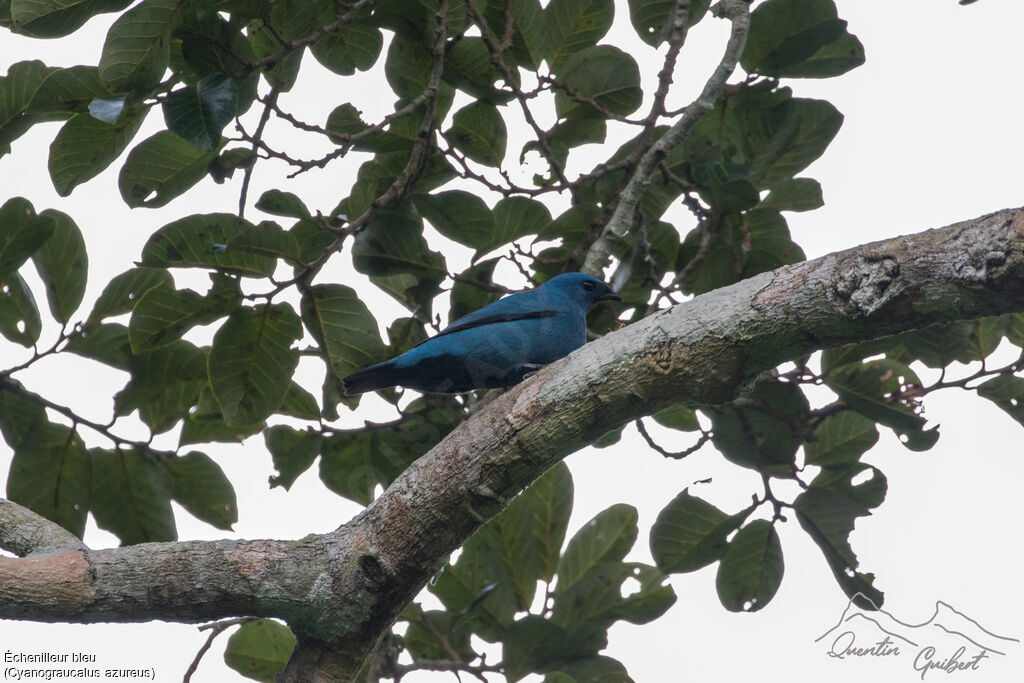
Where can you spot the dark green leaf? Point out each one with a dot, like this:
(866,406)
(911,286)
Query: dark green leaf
(62,264)
(198,113)
(17,90)
(841,55)
(751,569)
(299,403)
(50,469)
(678,417)
(479,132)
(883,390)
(19,316)
(784,33)
(573,25)
(459,216)
(532,644)
(124,291)
(354,48)
(798,194)
(604,74)
(393,243)
(251,362)
(162,315)
(131,496)
(161,168)
(55,18)
(605,538)
(344,329)
(85,146)
(137,48)
(280,203)
(200,486)
(939,345)
(827,511)
(467,66)
(192,242)
(435,634)
(21,233)
(651,18)
(21,418)
(841,439)
(106,343)
(690,533)
(1007,392)
(293,453)
(260,649)
(766,435)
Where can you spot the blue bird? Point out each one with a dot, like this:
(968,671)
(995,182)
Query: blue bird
(496,346)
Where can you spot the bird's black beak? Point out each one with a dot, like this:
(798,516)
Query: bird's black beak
(609,296)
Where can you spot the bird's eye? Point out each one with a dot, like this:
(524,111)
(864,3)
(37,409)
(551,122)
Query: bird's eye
(588,285)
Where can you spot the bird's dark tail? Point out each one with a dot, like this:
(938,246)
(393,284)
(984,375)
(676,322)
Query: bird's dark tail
(375,377)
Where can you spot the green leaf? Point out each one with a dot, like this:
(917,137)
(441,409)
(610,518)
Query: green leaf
(939,345)
(883,390)
(70,90)
(161,168)
(479,132)
(260,649)
(131,496)
(603,73)
(679,417)
(21,233)
(191,242)
(200,486)
(251,361)
(62,264)
(467,66)
(597,669)
(1007,392)
(458,215)
(21,418)
(784,33)
(841,439)
(55,18)
(280,203)
(292,451)
(161,373)
(19,316)
(408,67)
(137,48)
(765,440)
(827,511)
(50,469)
(124,291)
(532,644)
(435,634)
(751,569)
(354,49)
(690,533)
(85,146)
(17,90)
(528,534)
(163,315)
(651,18)
(514,217)
(841,55)
(344,329)
(605,538)
(267,239)
(198,113)
(573,25)
(393,243)
(106,343)
(299,403)
(797,194)
(264,43)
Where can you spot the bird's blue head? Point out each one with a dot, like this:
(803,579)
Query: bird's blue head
(582,289)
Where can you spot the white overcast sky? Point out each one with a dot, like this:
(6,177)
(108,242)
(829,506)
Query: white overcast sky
(932,135)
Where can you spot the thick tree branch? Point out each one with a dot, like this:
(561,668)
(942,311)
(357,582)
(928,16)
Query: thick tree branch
(23,531)
(342,591)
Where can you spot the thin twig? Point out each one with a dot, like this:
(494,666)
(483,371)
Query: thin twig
(215,629)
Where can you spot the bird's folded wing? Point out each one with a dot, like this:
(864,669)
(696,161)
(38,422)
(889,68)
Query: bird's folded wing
(490,318)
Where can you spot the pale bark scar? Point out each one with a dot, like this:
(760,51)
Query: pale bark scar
(59,579)
(527,407)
